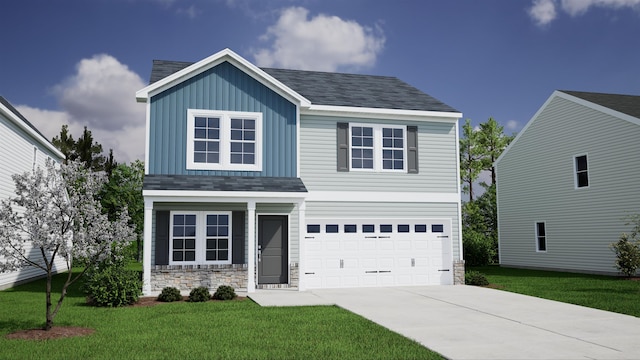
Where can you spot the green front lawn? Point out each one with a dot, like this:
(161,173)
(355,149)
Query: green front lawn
(227,330)
(600,292)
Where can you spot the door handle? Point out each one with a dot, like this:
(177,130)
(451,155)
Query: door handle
(259,255)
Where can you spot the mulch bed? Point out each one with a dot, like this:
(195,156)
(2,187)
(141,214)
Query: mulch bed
(59,332)
(56,332)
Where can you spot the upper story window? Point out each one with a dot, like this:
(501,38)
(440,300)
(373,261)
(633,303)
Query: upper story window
(582,171)
(378,147)
(224,140)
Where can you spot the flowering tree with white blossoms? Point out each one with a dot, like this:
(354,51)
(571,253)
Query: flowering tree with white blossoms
(57,213)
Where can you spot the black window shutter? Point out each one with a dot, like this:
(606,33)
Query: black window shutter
(343,146)
(162,237)
(412,149)
(237,228)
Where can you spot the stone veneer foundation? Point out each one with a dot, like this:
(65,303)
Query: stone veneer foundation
(458,272)
(188,277)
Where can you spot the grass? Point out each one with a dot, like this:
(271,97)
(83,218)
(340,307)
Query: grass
(220,330)
(595,291)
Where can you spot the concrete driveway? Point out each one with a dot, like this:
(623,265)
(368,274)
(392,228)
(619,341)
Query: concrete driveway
(467,322)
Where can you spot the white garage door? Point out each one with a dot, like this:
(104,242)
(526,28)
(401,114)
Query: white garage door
(373,252)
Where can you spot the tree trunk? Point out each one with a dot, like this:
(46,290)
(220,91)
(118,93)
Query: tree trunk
(49,322)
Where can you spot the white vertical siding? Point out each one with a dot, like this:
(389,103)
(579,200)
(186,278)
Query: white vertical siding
(536,183)
(17,151)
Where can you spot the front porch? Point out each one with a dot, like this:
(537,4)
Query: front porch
(245,239)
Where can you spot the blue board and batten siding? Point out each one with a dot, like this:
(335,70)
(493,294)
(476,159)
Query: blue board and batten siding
(223,87)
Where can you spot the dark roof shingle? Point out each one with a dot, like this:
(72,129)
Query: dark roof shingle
(337,89)
(626,104)
(223,183)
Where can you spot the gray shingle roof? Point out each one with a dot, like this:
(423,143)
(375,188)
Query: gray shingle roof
(6,103)
(626,104)
(223,183)
(337,89)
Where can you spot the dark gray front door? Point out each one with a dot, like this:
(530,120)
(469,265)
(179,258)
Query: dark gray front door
(273,240)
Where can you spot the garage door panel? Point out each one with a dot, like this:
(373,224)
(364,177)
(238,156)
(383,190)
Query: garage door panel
(406,256)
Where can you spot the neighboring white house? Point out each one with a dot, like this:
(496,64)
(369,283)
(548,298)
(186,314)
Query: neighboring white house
(271,178)
(22,148)
(566,182)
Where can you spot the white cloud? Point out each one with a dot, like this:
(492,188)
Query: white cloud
(323,42)
(544,11)
(512,125)
(191,12)
(100,96)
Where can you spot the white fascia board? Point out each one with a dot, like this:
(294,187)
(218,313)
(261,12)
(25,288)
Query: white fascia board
(29,130)
(381,113)
(143,95)
(379,196)
(220,196)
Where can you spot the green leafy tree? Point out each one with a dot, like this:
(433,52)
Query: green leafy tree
(65,143)
(123,192)
(480,229)
(471,156)
(89,152)
(85,149)
(493,141)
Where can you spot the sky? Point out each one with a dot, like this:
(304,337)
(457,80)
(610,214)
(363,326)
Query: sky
(80,62)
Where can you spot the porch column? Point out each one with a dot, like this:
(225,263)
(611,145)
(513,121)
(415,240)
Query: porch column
(251,254)
(146,247)
(302,230)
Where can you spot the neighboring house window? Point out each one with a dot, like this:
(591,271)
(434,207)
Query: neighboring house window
(35,157)
(200,238)
(582,171)
(541,237)
(224,140)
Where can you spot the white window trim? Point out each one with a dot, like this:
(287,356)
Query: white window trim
(201,237)
(377,147)
(225,140)
(535,230)
(575,172)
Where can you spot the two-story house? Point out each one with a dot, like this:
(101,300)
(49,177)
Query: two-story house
(22,149)
(568,181)
(269,178)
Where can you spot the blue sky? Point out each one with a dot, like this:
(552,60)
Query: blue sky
(79,62)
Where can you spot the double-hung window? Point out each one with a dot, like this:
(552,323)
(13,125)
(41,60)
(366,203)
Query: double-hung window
(200,238)
(377,147)
(581,168)
(224,140)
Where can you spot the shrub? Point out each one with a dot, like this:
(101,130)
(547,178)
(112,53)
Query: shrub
(111,285)
(200,294)
(627,255)
(170,294)
(475,278)
(224,292)
(478,249)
